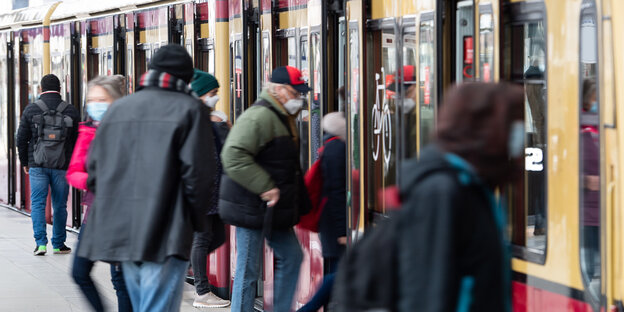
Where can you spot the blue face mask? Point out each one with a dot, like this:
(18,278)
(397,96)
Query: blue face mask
(594,108)
(515,143)
(96,110)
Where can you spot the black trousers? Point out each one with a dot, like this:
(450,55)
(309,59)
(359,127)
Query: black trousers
(203,244)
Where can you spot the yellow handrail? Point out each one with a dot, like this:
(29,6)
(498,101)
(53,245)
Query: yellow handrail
(46,38)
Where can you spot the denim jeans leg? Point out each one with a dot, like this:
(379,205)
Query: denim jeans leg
(247,272)
(201,247)
(39,183)
(123,299)
(288,257)
(159,285)
(132,277)
(60,192)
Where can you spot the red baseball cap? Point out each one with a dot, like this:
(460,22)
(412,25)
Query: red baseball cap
(409,74)
(291,76)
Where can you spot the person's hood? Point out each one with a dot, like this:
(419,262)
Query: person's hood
(87,127)
(433,159)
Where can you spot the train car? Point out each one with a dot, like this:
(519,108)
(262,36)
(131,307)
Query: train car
(564,216)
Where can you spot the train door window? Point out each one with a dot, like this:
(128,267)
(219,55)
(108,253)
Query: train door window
(427,78)
(303,120)
(316,111)
(589,153)
(266,57)
(342,73)
(237,72)
(524,63)
(409,92)
(381,128)
(486,43)
(292,51)
(353,122)
(464,42)
(205,58)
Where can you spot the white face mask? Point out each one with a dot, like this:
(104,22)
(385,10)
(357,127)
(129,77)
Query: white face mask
(293,106)
(212,101)
(515,144)
(408,105)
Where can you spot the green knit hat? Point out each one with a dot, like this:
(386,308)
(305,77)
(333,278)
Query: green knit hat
(203,82)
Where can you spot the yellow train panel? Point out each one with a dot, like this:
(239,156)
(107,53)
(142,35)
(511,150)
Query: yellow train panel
(293,19)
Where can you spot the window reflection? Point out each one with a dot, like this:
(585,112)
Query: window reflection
(486,47)
(410,93)
(427,80)
(525,63)
(589,160)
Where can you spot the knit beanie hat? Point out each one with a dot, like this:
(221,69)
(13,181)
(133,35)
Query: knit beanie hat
(335,124)
(173,59)
(203,82)
(50,83)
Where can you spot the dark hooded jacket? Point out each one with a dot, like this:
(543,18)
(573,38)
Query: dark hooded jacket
(152,183)
(452,255)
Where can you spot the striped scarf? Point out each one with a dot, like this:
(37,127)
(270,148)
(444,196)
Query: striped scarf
(163,80)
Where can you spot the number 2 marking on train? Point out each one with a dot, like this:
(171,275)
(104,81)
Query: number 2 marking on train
(534,158)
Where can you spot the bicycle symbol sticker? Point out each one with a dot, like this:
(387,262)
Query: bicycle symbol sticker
(382,121)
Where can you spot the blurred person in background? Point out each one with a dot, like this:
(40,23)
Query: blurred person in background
(206,87)
(44,156)
(152,170)
(453,255)
(333,221)
(102,92)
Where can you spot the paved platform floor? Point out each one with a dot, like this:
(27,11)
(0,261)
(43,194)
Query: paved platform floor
(30,283)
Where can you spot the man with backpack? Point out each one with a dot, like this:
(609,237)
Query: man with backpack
(45,141)
(263,193)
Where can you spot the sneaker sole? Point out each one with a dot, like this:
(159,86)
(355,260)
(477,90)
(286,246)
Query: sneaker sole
(199,305)
(62,252)
(40,253)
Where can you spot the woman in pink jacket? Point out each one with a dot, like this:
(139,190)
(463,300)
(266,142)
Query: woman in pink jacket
(102,91)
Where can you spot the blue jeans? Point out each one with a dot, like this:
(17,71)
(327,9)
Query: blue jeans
(81,272)
(288,256)
(40,180)
(155,286)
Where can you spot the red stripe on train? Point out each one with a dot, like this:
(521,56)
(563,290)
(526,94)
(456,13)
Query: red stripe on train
(528,299)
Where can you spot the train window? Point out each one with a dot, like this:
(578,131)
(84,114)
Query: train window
(409,93)
(589,152)
(292,51)
(266,57)
(237,71)
(427,79)
(524,51)
(303,120)
(353,122)
(486,43)
(381,128)
(464,42)
(316,74)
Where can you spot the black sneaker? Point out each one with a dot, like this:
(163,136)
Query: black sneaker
(63,250)
(40,250)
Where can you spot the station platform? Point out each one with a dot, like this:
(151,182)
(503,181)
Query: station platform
(43,283)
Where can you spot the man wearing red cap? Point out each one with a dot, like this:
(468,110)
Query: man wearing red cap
(263,194)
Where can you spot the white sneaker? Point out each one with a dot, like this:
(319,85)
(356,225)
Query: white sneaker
(210,300)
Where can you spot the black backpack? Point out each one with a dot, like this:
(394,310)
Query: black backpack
(367,277)
(52,128)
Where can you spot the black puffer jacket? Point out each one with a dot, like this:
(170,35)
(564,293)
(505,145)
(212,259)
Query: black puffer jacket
(25,138)
(152,183)
(260,143)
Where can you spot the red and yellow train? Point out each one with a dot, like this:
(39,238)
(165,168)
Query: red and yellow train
(551,47)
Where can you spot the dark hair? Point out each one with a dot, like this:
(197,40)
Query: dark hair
(50,83)
(589,90)
(475,120)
